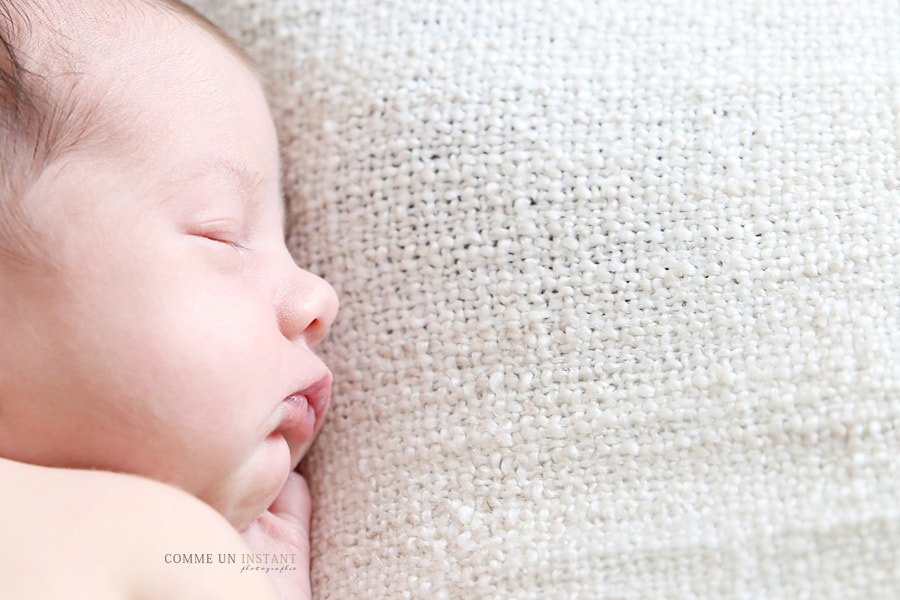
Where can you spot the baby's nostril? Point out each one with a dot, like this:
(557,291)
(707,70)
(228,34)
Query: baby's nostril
(314,333)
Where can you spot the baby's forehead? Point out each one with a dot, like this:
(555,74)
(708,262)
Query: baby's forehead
(88,52)
(75,76)
(74,28)
(207,25)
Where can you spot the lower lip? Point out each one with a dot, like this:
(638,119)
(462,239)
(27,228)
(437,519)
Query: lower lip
(298,418)
(303,410)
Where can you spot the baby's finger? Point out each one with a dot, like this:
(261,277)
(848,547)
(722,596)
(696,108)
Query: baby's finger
(294,503)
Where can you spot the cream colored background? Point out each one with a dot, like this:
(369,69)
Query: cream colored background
(621,314)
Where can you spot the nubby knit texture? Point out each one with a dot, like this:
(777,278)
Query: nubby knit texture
(620,292)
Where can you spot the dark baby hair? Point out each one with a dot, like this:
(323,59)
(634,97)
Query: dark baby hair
(44,110)
(27,139)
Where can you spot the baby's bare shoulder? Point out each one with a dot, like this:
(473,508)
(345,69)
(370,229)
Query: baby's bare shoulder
(94,534)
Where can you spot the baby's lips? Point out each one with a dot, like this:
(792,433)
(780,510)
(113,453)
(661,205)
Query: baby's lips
(303,411)
(302,416)
(319,395)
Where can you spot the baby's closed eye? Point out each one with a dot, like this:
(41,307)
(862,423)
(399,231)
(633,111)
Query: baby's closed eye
(228,232)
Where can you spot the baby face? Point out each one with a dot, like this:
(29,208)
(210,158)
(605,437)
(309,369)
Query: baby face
(172,334)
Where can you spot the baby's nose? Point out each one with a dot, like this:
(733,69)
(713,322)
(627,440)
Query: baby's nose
(308,308)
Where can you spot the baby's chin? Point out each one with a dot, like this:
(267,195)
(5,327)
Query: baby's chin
(253,488)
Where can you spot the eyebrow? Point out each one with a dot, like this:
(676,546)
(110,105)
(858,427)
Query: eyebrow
(249,180)
(245,179)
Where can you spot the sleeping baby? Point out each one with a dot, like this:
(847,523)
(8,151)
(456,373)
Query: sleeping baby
(158,384)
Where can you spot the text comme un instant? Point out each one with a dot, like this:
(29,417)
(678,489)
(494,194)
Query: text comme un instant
(229,558)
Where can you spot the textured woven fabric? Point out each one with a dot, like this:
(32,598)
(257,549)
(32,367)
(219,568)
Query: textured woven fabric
(620,292)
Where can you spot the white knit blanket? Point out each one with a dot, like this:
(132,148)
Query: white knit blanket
(620,292)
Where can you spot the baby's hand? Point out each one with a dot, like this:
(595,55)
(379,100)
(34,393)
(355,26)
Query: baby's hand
(284,530)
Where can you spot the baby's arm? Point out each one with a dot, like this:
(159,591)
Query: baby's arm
(98,535)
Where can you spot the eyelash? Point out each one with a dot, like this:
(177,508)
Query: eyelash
(221,231)
(224,240)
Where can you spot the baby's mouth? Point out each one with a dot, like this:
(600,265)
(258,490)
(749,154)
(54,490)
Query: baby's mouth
(302,413)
